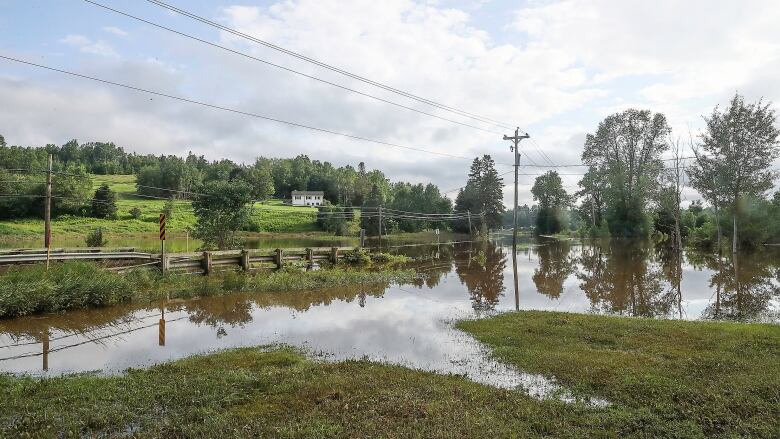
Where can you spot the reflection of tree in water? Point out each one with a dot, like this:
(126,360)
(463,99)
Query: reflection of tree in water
(743,284)
(485,283)
(555,265)
(627,280)
(671,268)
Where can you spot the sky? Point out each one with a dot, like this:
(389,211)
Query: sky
(553,68)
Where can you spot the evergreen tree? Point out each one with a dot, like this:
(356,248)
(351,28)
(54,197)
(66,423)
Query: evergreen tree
(104,203)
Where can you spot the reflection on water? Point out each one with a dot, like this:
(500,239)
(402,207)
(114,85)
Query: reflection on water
(410,324)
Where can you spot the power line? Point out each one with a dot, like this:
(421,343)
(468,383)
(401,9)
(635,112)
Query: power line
(233,110)
(328,66)
(296,72)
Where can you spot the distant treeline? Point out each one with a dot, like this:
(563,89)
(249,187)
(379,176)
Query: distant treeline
(171,176)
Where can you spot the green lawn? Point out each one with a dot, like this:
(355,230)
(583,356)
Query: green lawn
(272,216)
(662,378)
(671,378)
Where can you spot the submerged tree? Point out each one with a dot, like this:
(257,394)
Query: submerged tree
(627,147)
(553,200)
(737,148)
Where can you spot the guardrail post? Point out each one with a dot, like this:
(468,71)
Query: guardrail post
(334,255)
(206,263)
(279,258)
(244,260)
(165,263)
(310,256)
(362,238)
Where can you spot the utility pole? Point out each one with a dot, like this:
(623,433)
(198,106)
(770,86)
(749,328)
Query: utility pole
(47,215)
(380,228)
(469,212)
(516,140)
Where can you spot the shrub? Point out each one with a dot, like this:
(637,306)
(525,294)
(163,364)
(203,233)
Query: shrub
(95,238)
(135,213)
(104,203)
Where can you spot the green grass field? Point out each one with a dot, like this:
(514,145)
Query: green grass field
(272,216)
(662,378)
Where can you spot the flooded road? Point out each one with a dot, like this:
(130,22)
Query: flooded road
(409,324)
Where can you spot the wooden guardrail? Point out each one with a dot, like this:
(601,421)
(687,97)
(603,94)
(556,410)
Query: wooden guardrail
(206,262)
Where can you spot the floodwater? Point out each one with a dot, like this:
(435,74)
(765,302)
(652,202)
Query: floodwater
(410,324)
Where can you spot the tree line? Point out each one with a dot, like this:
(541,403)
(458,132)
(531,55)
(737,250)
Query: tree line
(629,190)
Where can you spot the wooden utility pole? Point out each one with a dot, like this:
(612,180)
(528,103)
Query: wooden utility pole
(380,228)
(47,215)
(515,148)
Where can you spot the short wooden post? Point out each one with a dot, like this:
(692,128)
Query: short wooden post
(310,256)
(165,262)
(334,255)
(206,263)
(362,238)
(244,260)
(279,258)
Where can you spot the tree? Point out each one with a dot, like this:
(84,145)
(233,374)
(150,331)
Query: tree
(104,203)
(669,197)
(627,147)
(737,148)
(221,212)
(553,200)
(483,192)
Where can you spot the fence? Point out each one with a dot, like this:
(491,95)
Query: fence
(205,262)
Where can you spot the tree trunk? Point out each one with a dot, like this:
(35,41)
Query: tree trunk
(717,223)
(734,240)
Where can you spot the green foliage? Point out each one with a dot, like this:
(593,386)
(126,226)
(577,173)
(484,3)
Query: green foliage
(221,212)
(483,193)
(553,199)
(104,203)
(338,220)
(95,238)
(135,213)
(624,160)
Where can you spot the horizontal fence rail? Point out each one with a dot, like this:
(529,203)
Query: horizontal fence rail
(205,262)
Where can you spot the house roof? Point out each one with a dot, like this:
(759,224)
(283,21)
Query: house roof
(322,193)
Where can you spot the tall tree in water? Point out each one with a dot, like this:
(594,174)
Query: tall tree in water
(483,192)
(627,147)
(553,200)
(737,148)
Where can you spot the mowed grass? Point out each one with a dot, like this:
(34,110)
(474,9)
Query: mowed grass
(272,216)
(671,378)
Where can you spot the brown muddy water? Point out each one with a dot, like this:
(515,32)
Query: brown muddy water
(410,324)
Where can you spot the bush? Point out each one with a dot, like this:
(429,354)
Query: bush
(135,213)
(356,256)
(104,203)
(95,238)
(72,285)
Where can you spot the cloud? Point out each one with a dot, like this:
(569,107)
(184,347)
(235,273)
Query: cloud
(115,30)
(562,67)
(86,45)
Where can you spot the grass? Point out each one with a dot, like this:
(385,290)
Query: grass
(669,378)
(272,216)
(32,290)
(280,393)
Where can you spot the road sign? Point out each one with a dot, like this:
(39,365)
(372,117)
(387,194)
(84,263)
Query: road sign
(162,227)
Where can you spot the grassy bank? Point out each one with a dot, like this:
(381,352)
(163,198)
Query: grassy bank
(33,290)
(671,378)
(249,393)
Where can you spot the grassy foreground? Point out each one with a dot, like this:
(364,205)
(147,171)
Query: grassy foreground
(672,378)
(74,285)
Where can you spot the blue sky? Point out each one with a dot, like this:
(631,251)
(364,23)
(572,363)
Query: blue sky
(556,68)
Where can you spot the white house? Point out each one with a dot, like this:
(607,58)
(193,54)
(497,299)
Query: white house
(308,198)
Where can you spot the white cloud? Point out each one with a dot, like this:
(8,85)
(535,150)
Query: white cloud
(86,45)
(115,30)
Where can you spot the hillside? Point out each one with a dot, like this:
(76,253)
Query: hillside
(271,216)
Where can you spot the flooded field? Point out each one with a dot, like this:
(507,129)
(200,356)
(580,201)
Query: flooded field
(410,324)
